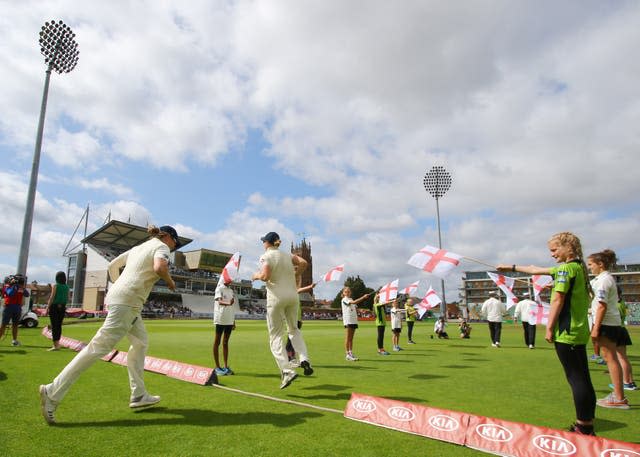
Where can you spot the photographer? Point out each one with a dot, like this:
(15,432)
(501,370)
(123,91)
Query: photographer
(13,293)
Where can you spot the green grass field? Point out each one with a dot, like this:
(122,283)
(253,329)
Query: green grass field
(511,383)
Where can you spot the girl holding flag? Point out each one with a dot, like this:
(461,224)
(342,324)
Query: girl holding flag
(607,324)
(350,320)
(381,323)
(568,327)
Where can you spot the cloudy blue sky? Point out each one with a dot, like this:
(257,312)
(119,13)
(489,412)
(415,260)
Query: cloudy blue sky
(228,119)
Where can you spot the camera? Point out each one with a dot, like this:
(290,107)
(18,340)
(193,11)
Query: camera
(15,280)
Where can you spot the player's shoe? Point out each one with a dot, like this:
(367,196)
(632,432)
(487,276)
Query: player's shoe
(15,343)
(610,401)
(306,366)
(287,378)
(47,406)
(351,358)
(582,429)
(383,353)
(228,371)
(144,400)
(627,386)
(220,371)
(412,342)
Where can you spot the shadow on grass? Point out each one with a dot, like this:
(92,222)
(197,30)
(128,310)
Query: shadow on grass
(408,399)
(426,377)
(3,376)
(468,346)
(344,396)
(604,425)
(476,360)
(14,351)
(457,366)
(355,366)
(204,417)
(332,387)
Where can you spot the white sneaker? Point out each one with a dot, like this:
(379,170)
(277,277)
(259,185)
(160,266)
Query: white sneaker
(531,346)
(15,343)
(351,358)
(144,400)
(497,344)
(47,406)
(494,345)
(396,348)
(287,378)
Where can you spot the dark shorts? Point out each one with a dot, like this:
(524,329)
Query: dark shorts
(226,329)
(397,331)
(11,313)
(353,326)
(611,332)
(625,339)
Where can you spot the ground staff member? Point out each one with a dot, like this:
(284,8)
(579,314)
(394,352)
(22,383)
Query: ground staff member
(56,307)
(143,266)
(568,327)
(277,271)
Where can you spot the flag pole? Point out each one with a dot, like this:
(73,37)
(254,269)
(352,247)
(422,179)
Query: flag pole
(471,259)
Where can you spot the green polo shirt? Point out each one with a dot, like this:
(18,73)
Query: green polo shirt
(572,326)
(381,318)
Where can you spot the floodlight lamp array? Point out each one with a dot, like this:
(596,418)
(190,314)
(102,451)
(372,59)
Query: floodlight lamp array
(437,181)
(58,46)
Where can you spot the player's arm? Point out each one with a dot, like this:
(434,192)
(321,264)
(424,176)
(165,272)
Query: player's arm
(161,268)
(554,312)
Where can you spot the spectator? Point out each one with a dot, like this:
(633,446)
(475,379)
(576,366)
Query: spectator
(56,307)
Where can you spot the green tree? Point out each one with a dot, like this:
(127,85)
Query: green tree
(358,289)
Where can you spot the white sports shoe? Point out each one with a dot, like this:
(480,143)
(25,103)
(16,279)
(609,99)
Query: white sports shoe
(287,378)
(47,406)
(144,400)
(352,358)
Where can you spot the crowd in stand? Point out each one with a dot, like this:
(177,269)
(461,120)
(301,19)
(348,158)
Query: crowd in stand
(162,308)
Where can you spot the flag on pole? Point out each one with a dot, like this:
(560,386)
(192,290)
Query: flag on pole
(333,274)
(538,314)
(411,288)
(505,283)
(539,283)
(430,300)
(389,291)
(435,261)
(230,270)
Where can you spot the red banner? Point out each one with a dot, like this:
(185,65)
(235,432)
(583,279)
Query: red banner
(407,417)
(494,436)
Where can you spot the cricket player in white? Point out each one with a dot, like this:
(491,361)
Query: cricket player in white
(277,271)
(143,266)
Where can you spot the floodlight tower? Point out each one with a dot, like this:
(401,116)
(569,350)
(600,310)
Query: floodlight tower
(437,182)
(60,51)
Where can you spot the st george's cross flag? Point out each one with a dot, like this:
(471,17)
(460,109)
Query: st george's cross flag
(411,288)
(230,270)
(389,291)
(333,274)
(505,283)
(539,283)
(435,261)
(538,314)
(430,300)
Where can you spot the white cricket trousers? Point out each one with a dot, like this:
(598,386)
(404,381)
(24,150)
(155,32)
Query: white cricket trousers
(282,318)
(121,321)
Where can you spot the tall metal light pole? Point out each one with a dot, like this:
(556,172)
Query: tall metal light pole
(60,50)
(437,182)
